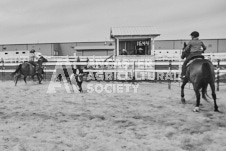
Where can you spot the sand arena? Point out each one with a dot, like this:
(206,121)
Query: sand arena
(151,119)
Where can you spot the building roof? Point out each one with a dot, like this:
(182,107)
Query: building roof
(134,31)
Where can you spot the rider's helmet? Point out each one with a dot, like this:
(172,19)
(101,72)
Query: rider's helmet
(32,51)
(195,34)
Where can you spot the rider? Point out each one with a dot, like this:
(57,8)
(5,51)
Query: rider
(194,48)
(32,57)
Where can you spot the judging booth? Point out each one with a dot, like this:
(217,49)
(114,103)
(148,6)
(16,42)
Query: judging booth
(135,45)
(134,40)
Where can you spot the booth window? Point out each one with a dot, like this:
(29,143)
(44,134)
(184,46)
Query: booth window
(55,53)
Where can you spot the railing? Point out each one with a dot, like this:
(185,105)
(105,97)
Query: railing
(173,57)
(98,60)
(124,68)
(139,66)
(162,57)
(120,65)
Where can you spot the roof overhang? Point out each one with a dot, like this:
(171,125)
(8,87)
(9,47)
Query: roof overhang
(135,37)
(107,47)
(134,32)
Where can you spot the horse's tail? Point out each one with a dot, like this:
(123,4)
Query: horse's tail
(206,77)
(17,70)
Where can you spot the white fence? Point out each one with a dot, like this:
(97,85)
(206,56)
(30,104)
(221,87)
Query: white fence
(99,61)
(142,65)
(157,57)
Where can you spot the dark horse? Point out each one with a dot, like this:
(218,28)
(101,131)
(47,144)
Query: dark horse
(200,73)
(27,69)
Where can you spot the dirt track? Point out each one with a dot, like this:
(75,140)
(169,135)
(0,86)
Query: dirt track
(152,119)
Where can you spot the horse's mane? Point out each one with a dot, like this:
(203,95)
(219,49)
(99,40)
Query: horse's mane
(185,53)
(41,60)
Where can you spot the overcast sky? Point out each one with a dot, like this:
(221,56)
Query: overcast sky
(46,21)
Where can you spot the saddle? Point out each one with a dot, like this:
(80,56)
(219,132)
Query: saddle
(194,58)
(36,66)
(29,63)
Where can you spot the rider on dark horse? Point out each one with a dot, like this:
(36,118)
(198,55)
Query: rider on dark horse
(194,50)
(32,57)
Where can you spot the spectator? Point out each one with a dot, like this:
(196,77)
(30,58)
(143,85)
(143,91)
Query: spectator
(124,52)
(140,51)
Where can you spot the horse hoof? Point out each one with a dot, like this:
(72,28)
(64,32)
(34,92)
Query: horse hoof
(196,109)
(216,110)
(183,100)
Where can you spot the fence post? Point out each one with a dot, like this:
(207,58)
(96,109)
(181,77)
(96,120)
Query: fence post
(211,57)
(218,74)
(169,80)
(133,72)
(179,68)
(44,72)
(3,69)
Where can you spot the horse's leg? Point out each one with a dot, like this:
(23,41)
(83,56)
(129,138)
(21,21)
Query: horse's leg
(204,88)
(16,79)
(42,75)
(197,93)
(214,96)
(69,81)
(80,86)
(60,77)
(185,81)
(33,77)
(39,79)
(25,77)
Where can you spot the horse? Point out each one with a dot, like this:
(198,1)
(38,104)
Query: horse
(200,72)
(77,78)
(27,69)
(72,75)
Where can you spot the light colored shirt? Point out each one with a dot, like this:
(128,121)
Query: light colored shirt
(33,56)
(195,46)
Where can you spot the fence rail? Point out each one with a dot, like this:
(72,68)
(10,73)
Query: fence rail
(110,63)
(137,64)
(157,71)
(164,57)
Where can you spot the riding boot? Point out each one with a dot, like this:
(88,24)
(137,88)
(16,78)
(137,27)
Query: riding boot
(184,66)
